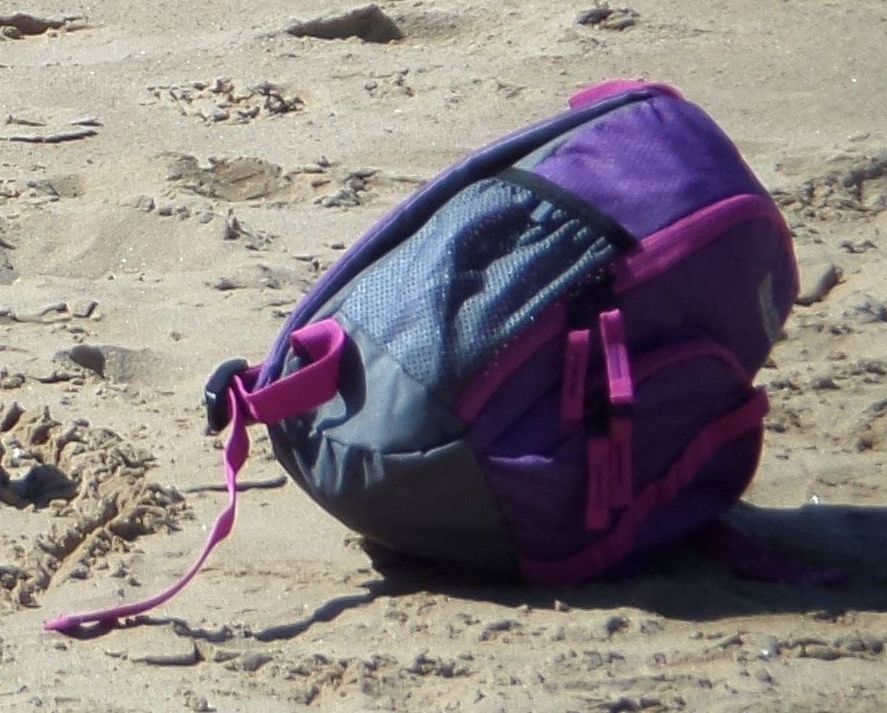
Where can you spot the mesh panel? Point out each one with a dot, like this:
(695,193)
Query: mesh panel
(474,275)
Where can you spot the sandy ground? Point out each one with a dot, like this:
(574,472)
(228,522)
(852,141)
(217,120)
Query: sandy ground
(219,164)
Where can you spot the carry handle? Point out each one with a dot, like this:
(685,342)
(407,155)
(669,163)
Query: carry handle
(301,392)
(613,87)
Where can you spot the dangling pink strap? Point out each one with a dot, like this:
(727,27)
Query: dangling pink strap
(298,393)
(751,559)
(236,451)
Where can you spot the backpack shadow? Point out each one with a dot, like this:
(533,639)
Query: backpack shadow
(682,583)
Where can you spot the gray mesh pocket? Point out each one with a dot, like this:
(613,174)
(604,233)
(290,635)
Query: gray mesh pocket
(479,271)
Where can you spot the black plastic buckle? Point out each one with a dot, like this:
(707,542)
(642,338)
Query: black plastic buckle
(216,394)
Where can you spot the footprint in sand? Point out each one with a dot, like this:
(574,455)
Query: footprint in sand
(244,179)
(86,487)
(855,188)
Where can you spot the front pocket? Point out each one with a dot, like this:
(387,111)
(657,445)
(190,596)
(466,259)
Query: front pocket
(564,486)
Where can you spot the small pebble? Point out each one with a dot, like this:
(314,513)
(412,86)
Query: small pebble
(824,383)
(83,308)
(141,202)
(224,284)
(769,647)
(615,624)
(762,675)
(254,661)
(198,704)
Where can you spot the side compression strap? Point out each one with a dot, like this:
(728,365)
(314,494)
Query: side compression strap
(298,393)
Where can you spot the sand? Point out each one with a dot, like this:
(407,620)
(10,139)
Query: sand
(174,176)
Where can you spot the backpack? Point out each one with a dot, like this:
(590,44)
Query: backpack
(541,363)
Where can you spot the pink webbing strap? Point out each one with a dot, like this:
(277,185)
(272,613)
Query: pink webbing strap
(597,498)
(300,392)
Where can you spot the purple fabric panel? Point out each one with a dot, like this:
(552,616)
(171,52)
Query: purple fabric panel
(673,406)
(540,425)
(543,503)
(727,309)
(720,483)
(543,495)
(650,163)
(540,374)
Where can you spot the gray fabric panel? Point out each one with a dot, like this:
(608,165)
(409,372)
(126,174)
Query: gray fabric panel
(429,504)
(387,459)
(432,503)
(379,405)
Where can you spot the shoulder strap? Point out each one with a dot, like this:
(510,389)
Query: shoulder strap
(323,344)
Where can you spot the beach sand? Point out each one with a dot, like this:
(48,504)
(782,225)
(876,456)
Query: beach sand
(175,176)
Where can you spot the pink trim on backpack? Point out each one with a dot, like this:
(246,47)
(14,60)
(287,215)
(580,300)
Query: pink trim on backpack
(614,87)
(661,250)
(508,359)
(298,393)
(610,468)
(605,552)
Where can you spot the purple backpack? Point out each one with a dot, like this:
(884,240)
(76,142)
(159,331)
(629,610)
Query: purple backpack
(540,363)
